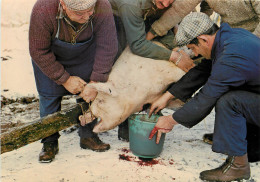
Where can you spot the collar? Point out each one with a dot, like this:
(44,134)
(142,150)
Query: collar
(222,36)
(60,13)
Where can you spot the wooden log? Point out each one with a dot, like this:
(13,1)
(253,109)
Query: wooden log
(41,128)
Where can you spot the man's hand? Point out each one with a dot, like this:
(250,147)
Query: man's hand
(88,94)
(74,84)
(164,125)
(160,103)
(149,36)
(182,60)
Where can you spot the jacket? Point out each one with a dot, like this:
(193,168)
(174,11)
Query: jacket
(235,59)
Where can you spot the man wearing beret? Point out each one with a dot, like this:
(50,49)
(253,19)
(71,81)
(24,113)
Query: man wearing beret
(71,42)
(233,88)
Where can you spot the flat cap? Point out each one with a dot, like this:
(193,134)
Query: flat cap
(79,5)
(192,26)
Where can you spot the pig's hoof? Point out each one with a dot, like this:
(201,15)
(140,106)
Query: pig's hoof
(94,143)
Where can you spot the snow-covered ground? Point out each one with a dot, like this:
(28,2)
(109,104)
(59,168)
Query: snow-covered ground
(184,154)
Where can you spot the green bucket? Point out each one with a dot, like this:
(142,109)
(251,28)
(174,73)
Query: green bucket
(140,127)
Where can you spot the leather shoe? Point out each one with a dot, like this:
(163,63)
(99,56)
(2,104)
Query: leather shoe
(94,143)
(234,168)
(49,150)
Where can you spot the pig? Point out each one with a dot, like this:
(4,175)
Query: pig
(133,82)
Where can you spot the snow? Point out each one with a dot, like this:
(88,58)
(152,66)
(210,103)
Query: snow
(183,157)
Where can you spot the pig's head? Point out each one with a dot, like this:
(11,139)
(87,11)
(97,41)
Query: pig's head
(109,107)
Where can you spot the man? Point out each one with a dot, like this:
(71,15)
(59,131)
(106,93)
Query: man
(133,19)
(241,14)
(71,42)
(136,18)
(233,88)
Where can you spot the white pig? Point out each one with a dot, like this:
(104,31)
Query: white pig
(133,82)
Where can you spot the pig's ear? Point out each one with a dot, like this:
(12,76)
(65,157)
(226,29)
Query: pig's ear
(106,88)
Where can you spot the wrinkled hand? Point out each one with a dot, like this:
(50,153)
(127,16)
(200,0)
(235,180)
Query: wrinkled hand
(185,63)
(164,125)
(74,84)
(160,103)
(88,94)
(149,36)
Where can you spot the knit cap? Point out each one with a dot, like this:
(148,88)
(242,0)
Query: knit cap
(79,5)
(192,26)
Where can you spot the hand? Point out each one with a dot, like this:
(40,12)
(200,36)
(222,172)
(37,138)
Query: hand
(74,84)
(160,103)
(88,94)
(149,36)
(164,124)
(182,60)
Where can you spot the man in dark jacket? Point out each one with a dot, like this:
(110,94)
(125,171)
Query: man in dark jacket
(233,88)
(71,42)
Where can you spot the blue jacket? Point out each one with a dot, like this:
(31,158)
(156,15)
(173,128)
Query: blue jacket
(235,66)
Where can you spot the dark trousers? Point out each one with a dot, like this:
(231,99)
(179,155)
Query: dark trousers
(235,111)
(52,104)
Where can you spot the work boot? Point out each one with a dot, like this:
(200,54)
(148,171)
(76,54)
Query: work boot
(208,138)
(234,168)
(94,143)
(49,150)
(123,132)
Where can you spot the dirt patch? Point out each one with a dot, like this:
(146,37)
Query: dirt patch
(17,112)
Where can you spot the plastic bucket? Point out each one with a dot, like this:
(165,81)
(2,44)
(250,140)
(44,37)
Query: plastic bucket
(140,126)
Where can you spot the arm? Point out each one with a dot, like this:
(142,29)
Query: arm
(191,81)
(40,36)
(106,42)
(174,15)
(131,17)
(222,78)
(185,87)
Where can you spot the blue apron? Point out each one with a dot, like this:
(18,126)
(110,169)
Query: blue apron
(77,59)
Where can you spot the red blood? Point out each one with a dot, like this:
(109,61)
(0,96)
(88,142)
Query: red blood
(125,157)
(141,161)
(171,162)
(147,162)
(125,150)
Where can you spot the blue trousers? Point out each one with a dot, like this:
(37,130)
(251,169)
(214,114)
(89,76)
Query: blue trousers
(233,111)
(52,104)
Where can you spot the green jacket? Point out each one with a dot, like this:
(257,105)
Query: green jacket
(132,14)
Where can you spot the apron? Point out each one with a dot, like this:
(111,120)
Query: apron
(77,59)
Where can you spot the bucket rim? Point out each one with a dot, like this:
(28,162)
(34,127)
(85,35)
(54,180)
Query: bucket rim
(131,117)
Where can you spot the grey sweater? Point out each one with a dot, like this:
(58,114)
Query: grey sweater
(132,14)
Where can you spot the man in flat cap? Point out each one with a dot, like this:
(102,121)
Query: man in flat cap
(237,13)
(71,42)
(233,88)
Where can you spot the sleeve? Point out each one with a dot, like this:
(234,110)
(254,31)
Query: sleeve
(220,82)
(106,44)
(131,17)
(40,37)
(174,15)
(191,81)
(256,8)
